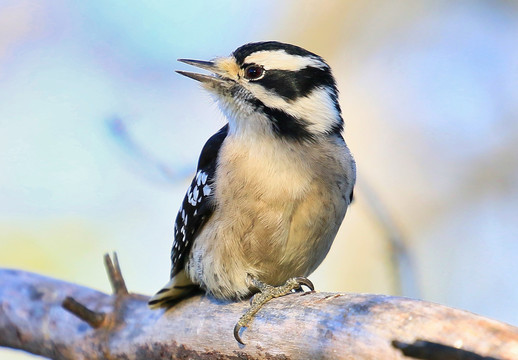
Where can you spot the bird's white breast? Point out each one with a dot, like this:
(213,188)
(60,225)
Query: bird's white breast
(269,169)
(274,218)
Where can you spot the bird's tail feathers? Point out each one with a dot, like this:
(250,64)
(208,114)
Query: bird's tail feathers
(178,287)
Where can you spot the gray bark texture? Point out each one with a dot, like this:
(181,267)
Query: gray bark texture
(299,326)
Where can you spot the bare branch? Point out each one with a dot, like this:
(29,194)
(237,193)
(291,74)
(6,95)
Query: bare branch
(94,319)
(299,326)
(115,275)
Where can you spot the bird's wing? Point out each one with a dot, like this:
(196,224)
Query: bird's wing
(197,206)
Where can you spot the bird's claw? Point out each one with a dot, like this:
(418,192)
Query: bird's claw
(237,328)
(304,281)
(265,294)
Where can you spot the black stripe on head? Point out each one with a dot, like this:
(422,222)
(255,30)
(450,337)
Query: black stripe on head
(293,84)
(283,124)
(337,128)
(242,52)
(292,128)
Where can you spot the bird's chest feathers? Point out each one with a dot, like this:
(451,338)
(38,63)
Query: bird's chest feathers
(262,171)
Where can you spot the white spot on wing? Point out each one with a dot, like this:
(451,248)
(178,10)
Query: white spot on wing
(206,190)
(195,193)
(190,198)
(203,178)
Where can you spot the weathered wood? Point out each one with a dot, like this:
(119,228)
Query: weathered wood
(299,326)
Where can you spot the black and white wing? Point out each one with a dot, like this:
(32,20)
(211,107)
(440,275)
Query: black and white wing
(196,209)
(197,205)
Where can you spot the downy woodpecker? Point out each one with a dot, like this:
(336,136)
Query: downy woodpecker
(272,186)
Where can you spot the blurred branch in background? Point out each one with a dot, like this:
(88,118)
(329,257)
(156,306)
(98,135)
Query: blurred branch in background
(401,258)
(140,159)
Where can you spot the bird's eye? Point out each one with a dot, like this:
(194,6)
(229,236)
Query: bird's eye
(254,72)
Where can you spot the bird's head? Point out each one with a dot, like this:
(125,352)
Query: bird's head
(273,88)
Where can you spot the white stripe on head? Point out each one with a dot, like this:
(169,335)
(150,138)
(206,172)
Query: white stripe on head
(281,60)
(317,108)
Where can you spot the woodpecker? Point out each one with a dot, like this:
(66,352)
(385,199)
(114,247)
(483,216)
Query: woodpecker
(272,186)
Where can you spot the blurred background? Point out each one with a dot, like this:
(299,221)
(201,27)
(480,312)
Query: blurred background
(99,137)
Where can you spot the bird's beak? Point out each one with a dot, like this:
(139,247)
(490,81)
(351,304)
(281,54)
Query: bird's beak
(211,66)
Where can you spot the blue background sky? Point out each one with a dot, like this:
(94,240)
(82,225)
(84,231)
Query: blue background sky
(99,136)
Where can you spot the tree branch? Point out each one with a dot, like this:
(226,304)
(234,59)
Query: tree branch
(299,326)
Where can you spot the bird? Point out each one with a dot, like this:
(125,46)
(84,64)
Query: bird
(272,186)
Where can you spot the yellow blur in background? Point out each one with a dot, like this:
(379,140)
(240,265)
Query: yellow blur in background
(99,137)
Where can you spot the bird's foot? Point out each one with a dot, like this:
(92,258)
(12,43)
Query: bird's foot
(265,294)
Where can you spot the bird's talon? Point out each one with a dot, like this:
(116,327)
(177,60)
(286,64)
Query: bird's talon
(305,281)
(265,294)
(237,328)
